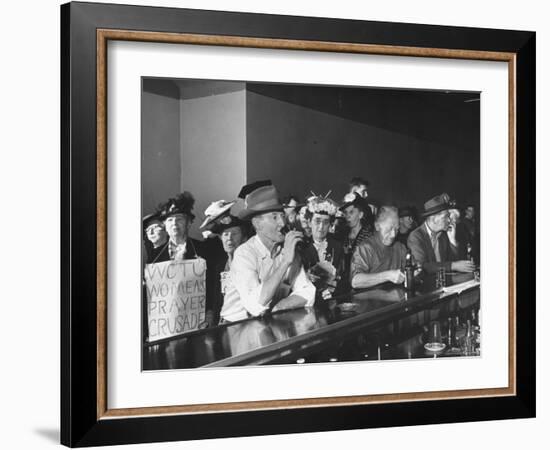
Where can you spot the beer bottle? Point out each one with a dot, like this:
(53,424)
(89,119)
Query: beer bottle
(409,272)
(451,332)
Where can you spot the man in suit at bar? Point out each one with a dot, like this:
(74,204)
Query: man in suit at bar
(430,244)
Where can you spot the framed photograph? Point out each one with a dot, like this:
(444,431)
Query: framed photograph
(279,224)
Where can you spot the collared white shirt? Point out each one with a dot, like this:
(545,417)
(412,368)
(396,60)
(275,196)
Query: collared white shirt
(252,264)
(232,308)
(434,238)
(430,232)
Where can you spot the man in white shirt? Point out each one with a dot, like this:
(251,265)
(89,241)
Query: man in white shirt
(266,272)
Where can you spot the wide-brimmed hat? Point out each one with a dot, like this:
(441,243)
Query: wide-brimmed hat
(216,211)
(219,218)
(260,200)
(182,204)
(437,204)
(226,222)
(355,200)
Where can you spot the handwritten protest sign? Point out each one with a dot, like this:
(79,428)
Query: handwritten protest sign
(176,295)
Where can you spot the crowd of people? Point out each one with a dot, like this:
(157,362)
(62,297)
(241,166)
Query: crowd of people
(276,255)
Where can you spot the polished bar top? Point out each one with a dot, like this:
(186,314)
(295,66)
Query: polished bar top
(275,336)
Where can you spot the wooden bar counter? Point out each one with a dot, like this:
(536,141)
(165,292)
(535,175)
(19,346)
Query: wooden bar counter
(385,322)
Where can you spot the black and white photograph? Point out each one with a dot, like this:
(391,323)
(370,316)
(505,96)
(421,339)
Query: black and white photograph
(276,222)
(290,224)
(264,225)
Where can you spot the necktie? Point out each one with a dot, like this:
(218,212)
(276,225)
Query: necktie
(435,244)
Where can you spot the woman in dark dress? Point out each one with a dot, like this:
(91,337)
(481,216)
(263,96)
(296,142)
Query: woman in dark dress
(167,239)
(360,226)
(323,255)
(226,232)
(155,237)
(177,218)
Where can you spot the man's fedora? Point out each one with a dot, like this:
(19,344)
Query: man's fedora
(261,200)
(437,204)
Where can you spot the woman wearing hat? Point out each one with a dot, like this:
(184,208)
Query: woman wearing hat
(177,217)
(406,224)
(303,224)
(291,206)
(323,256)
(154,242)
(221,296)
(155,237)
(360,225)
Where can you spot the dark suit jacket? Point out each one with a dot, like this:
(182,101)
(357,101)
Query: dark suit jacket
(214,297)
(420,244)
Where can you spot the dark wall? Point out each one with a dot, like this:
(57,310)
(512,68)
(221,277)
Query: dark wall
(160,142)
(410,145)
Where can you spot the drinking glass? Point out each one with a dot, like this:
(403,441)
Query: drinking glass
(435,341)
(435,333)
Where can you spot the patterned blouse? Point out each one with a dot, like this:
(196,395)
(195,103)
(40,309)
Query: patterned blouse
(349,248)
(350,245)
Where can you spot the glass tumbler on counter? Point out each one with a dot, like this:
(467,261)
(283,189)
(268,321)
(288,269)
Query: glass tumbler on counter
(435,341)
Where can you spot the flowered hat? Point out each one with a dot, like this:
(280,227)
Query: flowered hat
(322,205)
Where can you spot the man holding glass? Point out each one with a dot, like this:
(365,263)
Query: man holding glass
(266,271)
